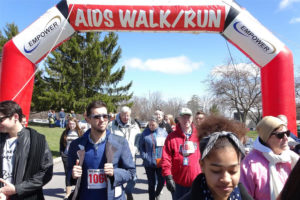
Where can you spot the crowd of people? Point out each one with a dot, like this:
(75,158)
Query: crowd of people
(61,119)
(197,156)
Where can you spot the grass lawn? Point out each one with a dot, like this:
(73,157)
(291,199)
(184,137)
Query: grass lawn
(252,134)
(52,136)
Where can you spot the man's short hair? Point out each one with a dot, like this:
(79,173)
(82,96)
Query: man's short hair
(94,104)
(159,112)
(9,108)
(125,109)
(200,113)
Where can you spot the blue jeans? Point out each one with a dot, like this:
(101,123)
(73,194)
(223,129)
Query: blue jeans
(154,175)
(130,185)
(180,191)
(62,122)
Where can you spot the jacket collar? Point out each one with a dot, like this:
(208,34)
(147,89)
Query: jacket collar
(179,130)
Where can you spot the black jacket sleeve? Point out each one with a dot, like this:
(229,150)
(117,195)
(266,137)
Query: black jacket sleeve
(41,178)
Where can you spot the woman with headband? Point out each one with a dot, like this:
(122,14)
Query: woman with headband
(266,168)
(221,153)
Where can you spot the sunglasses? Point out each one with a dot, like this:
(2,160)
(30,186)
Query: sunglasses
(3,118)
(104,116)
(280,135)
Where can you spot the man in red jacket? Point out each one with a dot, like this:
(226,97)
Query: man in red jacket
(180,157)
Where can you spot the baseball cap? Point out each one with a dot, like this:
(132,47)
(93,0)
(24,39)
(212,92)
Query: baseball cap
(185,111)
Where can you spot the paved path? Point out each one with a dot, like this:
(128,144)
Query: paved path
(55,188)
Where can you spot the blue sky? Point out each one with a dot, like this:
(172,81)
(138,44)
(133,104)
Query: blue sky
(176,64)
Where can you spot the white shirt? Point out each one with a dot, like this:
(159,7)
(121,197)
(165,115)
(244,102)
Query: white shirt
(72,135)
(8,161)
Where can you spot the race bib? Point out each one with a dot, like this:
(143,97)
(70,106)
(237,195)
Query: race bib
(96,179)
(160,141)
(188,148)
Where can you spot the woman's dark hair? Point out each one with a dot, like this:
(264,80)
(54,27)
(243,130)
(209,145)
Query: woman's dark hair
(291,187)
(214,123)
(9,108)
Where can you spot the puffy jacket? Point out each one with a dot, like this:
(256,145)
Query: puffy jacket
(128,131)
(148,144)
(124,167)
(33,167)
(255,174)
(172,158)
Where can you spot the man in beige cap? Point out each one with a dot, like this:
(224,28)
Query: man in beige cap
(266,168)
(180,158)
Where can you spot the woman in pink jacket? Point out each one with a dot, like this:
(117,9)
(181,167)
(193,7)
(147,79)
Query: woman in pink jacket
(266,168)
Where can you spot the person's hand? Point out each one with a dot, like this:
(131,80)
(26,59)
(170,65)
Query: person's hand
(109,169)
(8,189)
(77,170)
(170,183)
(2,196)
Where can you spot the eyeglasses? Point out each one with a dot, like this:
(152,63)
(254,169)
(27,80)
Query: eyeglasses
(3,118)
(104,116)
(280,135)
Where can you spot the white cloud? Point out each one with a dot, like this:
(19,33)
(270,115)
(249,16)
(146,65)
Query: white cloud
(295,20)
(285,3)
(172,65)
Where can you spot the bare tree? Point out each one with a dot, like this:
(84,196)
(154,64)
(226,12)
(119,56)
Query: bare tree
(144,107)
(194,103)
(237,87)
(173,105)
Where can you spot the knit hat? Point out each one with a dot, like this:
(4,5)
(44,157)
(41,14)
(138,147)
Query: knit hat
(267,125)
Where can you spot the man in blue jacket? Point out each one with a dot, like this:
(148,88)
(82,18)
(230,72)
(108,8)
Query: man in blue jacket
(107,163)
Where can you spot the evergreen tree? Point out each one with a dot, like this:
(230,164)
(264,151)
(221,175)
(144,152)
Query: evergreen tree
(10,31)
(80,71)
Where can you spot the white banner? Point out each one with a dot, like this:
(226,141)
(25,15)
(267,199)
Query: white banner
(37,39)
(253,38)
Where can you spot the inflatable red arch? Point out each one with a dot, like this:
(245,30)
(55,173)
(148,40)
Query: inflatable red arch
(219,16)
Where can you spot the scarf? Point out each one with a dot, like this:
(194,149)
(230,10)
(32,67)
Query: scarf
(206,193)
(285,157)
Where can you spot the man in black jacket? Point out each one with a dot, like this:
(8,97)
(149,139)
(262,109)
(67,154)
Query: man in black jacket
(26,163)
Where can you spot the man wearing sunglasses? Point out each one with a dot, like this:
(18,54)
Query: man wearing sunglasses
(26,163)
(266,168)
(107,162)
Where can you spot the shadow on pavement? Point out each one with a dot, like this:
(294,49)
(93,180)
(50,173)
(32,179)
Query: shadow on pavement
(139,191)
(54,192)
(59,173)
(142,181)
(55,153)
(139,165)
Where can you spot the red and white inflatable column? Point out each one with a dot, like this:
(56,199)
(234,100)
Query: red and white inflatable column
(275,61)
(16,71)
(28,48)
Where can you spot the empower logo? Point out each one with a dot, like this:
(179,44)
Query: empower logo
(50,27)
(266,46)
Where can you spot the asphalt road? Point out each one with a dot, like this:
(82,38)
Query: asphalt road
(55,189)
